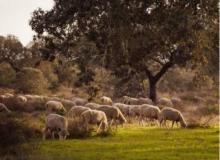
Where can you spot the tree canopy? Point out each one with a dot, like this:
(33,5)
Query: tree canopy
(132,37)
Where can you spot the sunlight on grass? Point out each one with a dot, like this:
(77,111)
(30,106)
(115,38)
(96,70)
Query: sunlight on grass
(136,143)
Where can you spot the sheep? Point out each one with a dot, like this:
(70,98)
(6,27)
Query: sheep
(135,111)
(21,99)
(150,112)
(8,95)
(67,103)
(173,115)
(165,102)
(123,107)
(56,123)
(145,100)
(54,107)
(92,105)
(113,114)
(3,108)
(76,111)
(79,101)
(130,100)
(177,102)
(95,117)
(106,100)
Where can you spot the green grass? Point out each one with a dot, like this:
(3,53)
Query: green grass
(137,143)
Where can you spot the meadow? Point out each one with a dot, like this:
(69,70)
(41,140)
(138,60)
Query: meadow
(133,142)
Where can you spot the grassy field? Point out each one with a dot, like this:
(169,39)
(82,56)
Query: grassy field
(137,143)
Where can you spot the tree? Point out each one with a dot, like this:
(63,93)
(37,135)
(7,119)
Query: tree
(13,52)
(135,36)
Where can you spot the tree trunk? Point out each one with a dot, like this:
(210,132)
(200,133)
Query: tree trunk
(152,91)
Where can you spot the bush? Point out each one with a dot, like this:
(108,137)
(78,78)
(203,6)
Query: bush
(7,74)
(14,135)
(48,72)
(31,80)
(178,80)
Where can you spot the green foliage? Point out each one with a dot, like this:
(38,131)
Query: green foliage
(31,80)
(7,74)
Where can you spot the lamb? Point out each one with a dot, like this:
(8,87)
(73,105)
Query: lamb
(56,123)
(3,108)
(123,107)
(173,115)
(149,112)
(165,102)
(177,102)
(76,111)
(113,114)
(92,105)
(130,100)
(95,117)
(54,107)
(106,100)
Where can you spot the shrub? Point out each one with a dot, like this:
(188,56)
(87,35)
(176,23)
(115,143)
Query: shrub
(48,72)
(7,74)
(31,80)
(14,135)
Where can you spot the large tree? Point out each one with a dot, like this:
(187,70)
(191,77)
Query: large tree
(133,36)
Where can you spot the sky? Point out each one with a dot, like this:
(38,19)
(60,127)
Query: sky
(15,16)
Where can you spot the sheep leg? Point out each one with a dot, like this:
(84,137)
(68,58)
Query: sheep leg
(173,123)
(111,123)
(99,127)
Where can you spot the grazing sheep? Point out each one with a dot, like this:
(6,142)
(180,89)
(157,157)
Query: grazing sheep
(123,107)
(165,102)
(113,114)
(145,100)
(130,100)
(54,107)
(56,123)
(67,103)
(8,95)
(135,111)
(106,100)
(95,117)
(177,102)
(149,112)
(3,108)
(79,101)
(21,99)
(173,115)
(76,111)
(92,105)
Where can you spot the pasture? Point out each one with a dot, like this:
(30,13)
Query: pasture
(133,142)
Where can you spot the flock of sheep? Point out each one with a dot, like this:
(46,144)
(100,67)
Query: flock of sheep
(104,115)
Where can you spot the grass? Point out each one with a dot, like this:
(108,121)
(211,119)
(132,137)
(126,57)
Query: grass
(137,143)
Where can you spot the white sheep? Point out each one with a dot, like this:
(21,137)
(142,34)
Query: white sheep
(130,100)
(21,99)
(123,107)
(56,123)
(106,100)
(145,100)
(4,108)
(149,112)
(95,117)
(173,115)
(135,111)
(79,101)
(177,102)
(165,102)
(54,107)
(92,105)
(113,114)
(76,111)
